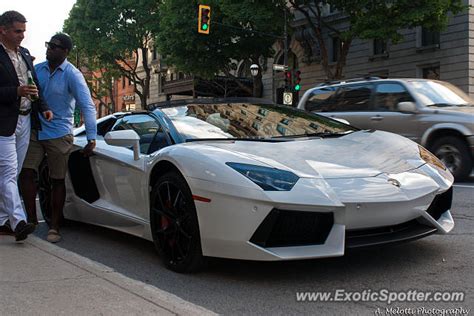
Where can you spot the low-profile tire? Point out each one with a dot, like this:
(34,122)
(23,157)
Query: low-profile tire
(174,224)
(44,193)
(454,153)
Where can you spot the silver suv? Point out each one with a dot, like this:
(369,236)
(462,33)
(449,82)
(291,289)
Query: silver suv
(435,114)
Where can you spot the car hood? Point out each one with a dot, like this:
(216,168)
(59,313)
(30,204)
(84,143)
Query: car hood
(451,109)
(359,154)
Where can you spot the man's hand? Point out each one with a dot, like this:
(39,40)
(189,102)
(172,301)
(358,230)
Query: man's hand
(26,91)
(48,115)
(87,151)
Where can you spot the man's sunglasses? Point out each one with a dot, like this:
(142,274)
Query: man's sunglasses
(53,46)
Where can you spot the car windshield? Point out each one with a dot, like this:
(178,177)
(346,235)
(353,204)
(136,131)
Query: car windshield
(439,93)
(250,121)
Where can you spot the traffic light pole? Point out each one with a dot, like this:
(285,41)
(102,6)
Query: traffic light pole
(285,38)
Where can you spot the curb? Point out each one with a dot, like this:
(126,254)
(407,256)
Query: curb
(151,294)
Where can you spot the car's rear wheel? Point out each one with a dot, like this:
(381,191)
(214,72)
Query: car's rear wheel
(454,153)
(174,224)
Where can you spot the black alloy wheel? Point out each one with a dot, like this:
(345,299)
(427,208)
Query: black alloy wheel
(174,224)
(454,153)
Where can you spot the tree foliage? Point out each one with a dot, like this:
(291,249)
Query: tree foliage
(116,33)
(100,80)
(372,19)
(239,31)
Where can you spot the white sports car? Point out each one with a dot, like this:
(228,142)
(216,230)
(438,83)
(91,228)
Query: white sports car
(247,179)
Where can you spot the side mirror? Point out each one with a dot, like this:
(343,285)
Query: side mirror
(407,107)
(126,138)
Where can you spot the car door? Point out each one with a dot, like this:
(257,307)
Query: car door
(387,117)
(353,102)
(122,181)
(350,102)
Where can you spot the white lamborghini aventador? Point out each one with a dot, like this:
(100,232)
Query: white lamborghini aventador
(248,179)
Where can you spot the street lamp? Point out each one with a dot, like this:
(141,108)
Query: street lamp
(254,70)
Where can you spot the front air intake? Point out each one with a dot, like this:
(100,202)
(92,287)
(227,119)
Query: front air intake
(283,228)
(440,204)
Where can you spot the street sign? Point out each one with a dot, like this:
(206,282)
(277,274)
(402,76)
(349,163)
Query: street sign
(278,67)
(287,98)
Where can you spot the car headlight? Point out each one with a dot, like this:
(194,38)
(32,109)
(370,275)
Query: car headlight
(431,159)
(269,179)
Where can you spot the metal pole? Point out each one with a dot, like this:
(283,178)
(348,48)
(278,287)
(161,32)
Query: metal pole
(285,61)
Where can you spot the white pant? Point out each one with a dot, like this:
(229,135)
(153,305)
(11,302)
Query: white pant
(12,154)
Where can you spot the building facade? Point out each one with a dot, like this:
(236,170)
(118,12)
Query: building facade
(447,55)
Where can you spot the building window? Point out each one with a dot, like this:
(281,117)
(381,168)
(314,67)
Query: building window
(154,53)
(123,82)
(244,69)
(379,47)
(285,121)
(263,112)
(336,49)
(281,130)
(431,72)
(429,37)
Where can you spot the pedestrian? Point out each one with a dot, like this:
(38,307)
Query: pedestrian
(17,112)
(63,87)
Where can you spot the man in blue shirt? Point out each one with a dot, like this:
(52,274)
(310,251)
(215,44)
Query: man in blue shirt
(63,88)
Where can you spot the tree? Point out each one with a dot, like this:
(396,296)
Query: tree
(239,31)
(372,19)
(100,79)
(116,33)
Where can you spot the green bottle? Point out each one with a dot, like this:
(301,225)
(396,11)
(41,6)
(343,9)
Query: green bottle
(31,82)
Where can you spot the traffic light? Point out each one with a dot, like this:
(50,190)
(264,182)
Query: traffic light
(288,82)
(204,19)
(297,80)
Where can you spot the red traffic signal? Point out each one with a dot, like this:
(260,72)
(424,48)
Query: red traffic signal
(204,19)
(297,80)
(288,82)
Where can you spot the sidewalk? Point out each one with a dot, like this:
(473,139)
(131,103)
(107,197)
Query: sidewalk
(38,278)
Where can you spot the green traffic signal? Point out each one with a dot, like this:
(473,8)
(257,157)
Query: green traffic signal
(204,19)
(297,80)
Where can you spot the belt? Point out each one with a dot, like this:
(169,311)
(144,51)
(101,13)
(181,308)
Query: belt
(25,112)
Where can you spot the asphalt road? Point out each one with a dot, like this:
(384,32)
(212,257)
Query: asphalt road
(436,263)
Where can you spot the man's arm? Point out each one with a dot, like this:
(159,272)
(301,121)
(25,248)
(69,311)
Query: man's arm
(83,98)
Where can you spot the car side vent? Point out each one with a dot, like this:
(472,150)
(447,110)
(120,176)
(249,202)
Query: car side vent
(283,228)
(81,177)
(440,204)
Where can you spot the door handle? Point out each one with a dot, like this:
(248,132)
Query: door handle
(376,118)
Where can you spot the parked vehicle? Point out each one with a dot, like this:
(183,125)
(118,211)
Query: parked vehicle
(435,114)
(247,179)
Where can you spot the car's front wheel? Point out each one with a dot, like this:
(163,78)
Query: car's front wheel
(454,153)
(174,224)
